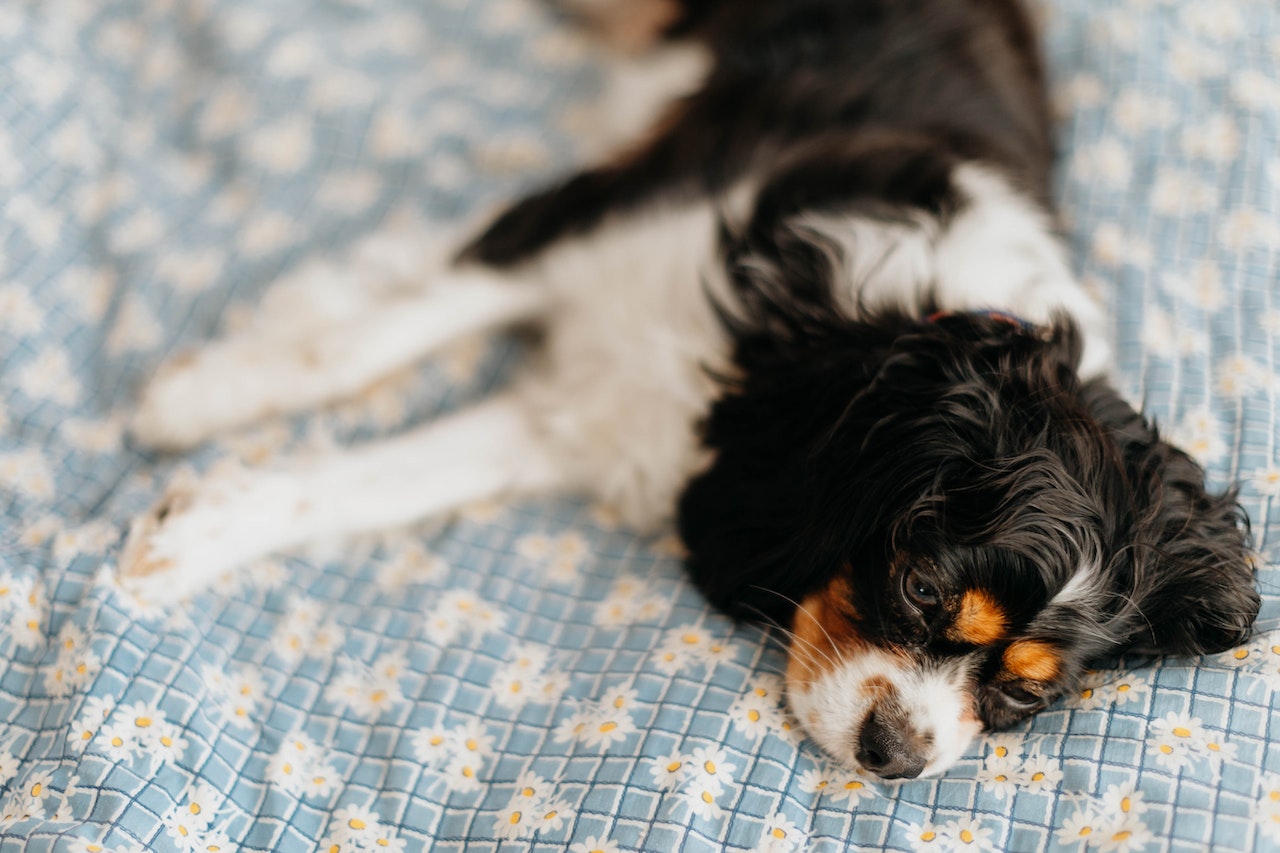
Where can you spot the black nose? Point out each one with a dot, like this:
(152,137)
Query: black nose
(887,751)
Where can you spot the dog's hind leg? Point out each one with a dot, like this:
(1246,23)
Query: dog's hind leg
(264,371)
(235,515)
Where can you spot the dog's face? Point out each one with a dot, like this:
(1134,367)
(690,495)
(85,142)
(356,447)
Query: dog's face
(951,527)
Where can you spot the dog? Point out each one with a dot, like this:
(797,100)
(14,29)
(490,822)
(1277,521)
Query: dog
(818,314)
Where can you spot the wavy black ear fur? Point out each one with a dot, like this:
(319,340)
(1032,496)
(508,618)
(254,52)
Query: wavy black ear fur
(1184,552)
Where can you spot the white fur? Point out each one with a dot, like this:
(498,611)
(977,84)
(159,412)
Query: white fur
(936,702)
(244,378)
(999,252)
(234,515)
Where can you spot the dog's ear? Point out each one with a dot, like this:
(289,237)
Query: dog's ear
(745,520)
(1182,552)
(748,520)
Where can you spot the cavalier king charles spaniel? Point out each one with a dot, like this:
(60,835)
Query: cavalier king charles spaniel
(817,313)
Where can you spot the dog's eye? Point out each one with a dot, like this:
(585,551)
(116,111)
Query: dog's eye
(919,591)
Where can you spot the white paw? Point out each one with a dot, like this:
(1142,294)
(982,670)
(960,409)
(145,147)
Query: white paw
(171,413)
(203,528)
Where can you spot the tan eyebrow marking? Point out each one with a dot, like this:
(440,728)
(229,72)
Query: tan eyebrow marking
(1034,660)
(980,621)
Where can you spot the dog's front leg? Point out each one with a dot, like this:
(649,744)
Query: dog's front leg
(240,379)
(235,515)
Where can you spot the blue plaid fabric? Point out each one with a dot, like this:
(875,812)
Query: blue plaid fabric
(533,676)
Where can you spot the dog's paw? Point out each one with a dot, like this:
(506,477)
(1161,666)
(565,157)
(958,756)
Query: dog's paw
(176,409)
(194,535)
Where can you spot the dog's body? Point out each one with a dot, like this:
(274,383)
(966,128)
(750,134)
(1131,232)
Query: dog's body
(776,316)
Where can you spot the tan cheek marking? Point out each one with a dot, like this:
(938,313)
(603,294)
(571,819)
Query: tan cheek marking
(980,620)
(1034,660)
(823,633)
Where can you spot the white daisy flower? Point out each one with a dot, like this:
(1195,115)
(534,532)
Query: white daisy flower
(431,745)
(968,835)
(668,771)
(1084,826)
(817,780)
(462,774)
(700,797)
(1004,748)
(780,835)
(1000,781)
(1266,809)
(851,788)
(1175,739)
(596,844)
(1041,774)
(358,826)
(552,815)
(710,767)
(925,837)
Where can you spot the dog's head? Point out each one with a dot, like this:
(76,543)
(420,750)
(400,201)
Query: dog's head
(950,525)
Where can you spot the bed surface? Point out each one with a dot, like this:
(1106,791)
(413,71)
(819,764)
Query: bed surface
(532,674)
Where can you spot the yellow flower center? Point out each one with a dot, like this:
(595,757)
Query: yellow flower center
(926,837)
(753,715)
(710,767)
(142,722)
(966,836)
(1001,752)
(707,798)
(608,727)
(778,833)
(357,824)
(853,786)
(516,817)
(673,767)
(1166,749)
(1182,732)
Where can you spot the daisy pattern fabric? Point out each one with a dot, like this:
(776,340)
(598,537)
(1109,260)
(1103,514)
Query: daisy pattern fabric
(532,675)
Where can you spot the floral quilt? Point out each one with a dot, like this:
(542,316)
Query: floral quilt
(532,675)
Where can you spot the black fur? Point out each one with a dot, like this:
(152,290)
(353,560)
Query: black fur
(870,445)
(960,78)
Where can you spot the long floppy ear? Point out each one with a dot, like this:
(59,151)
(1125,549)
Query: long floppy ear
(799,362)
(1185,550)
(745,520)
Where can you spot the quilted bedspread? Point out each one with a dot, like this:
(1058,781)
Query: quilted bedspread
(532,675)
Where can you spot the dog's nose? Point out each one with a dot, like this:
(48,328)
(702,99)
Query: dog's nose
(887,751)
